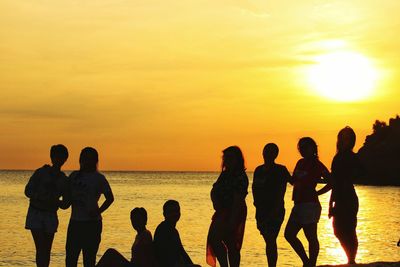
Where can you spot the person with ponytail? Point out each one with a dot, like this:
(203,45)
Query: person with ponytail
(306,212)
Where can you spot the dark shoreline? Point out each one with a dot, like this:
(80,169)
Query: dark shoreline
(373,264)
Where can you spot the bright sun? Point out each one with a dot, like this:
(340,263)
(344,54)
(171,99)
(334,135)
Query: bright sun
(343,76)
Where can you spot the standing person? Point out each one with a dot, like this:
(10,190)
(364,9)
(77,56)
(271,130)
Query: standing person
(343,204)
(142,248)
(85,225)
(307,208)
(228,195)
(168,246)
(269,187)
(44,189)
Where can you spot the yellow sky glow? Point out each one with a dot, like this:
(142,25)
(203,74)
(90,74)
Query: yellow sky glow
(166,85)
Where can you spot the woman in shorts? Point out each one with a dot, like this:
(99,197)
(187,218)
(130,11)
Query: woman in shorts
(307,210)
(44,190)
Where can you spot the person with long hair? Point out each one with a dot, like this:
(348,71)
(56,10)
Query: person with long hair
(228,195)
(307,209)
(44,189)
(343,204)
(85,225)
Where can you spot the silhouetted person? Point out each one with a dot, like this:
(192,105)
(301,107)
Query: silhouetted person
(142,248)
(167,242)
(269,187)
(44,189)
(343,204)
(228,195)
(307,208)
(85,225)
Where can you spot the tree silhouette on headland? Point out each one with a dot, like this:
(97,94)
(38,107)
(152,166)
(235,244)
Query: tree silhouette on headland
(380,154)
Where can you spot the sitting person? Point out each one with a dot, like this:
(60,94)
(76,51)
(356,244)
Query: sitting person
(167,243)
(142,248)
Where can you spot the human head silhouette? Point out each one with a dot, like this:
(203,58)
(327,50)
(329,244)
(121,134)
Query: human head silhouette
(270,152)
(88,159)
(138,218)
(172,211)
(346,139)
(307,147)
(58,155)
(232,159)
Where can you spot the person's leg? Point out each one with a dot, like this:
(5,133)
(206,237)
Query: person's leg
(349,243)
(291,231)
(310,231)
(233,254)
(92,242)
(73,245)
(112,258)
(271,248)
(43,242)
(353,247)
(347,237)
(218,247)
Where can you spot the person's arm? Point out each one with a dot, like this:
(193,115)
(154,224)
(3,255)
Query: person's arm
(324,189)
(107,202)
(325,175)
(65,202)
(330,209)
(279,192)
(289,178)
(31,186)
(238,197)
(254,188)
(108,194)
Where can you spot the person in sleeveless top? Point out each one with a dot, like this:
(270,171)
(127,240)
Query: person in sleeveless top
(306,212)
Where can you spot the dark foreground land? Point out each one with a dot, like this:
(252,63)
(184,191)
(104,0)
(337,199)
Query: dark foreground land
(374,264)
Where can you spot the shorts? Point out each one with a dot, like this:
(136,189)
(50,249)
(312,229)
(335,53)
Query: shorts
(45,221)
(270,224)
(306,213)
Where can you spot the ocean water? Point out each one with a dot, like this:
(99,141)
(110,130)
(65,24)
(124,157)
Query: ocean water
(378,227)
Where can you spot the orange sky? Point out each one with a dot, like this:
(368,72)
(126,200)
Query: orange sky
(166,85)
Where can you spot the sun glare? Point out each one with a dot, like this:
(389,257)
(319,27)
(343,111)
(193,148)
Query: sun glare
(343,76)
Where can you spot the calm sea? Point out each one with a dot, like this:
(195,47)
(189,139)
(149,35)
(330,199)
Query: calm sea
(378,228)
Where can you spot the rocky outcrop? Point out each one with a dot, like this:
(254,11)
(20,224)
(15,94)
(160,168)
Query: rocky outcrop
(380,154)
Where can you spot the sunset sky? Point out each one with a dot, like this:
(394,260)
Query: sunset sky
(167,85)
